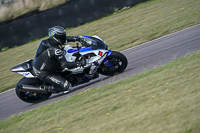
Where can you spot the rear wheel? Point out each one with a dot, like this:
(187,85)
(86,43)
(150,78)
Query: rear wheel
(31,97)
(115,64)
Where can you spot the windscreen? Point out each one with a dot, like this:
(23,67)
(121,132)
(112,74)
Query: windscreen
(95,43)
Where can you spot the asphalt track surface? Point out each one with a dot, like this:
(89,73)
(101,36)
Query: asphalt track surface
(141,58)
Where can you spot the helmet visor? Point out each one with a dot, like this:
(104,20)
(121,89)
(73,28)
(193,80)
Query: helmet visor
(61,38)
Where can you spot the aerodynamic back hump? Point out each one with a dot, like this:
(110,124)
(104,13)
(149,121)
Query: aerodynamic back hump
(23,68)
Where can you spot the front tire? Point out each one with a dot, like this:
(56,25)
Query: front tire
(115,64)
(31,97)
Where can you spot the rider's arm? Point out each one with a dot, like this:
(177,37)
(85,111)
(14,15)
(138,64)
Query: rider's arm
(72,38)
(75,38)
(59,56)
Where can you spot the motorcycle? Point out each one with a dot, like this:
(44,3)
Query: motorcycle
(99,60)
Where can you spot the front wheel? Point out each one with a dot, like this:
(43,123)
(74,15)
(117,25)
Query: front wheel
(31,97)
(116,63)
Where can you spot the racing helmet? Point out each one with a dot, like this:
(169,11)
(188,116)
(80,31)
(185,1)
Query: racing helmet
(57,34)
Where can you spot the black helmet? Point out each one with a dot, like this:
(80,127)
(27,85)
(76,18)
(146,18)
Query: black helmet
(57,34)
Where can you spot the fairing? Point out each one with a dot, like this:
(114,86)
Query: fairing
(23,69)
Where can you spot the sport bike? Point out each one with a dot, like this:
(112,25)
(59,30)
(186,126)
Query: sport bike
(99,60)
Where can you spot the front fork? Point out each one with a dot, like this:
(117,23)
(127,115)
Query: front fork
(96,64)
(106,61)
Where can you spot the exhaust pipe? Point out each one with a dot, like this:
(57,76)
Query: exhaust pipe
(31,88)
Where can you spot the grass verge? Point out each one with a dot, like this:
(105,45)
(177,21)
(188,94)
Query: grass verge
(122,30)
(165,99)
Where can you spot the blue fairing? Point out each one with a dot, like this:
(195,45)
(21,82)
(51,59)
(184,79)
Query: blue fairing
(81,50)
(85,36)
(86,49)
(72,50)
(109,53)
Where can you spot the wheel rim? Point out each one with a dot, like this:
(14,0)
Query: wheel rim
(113,64)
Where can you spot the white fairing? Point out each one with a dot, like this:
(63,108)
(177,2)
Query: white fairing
(91,62)
(69,56)
(26,74)
(22,71)
(98,38)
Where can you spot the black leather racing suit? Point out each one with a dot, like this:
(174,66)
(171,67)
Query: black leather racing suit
(48,58)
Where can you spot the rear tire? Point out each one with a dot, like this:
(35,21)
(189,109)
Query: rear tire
(28,96)
(115,64)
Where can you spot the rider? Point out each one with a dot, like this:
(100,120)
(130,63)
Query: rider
(49,57)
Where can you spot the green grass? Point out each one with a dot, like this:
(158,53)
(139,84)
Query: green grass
(161,100)
(126,29)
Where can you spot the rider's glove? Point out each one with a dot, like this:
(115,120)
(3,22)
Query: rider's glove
(83,42)
(79,39)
